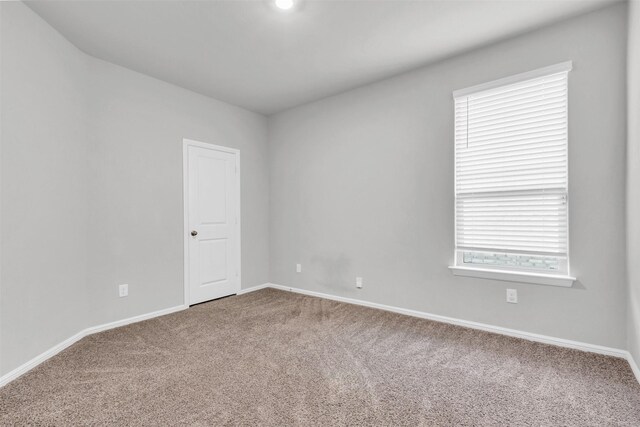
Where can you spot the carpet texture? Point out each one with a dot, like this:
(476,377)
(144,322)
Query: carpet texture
(277,358)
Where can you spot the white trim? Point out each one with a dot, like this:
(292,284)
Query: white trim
(134,319)
(514,276)
(468,324)
(194,143)
(545,339)
(186,143)
(26,367)
(551,69)
(253,289)
(185,220)
(505,274)
(634,365)
(560,342)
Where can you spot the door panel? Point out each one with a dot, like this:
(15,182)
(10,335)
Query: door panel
(212,191)
(213,261)
(213,256)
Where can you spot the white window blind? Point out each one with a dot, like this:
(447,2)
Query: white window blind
(511,173)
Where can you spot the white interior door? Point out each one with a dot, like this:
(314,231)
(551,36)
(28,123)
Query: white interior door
(212,189)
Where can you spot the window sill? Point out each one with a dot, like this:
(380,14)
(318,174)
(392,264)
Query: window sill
(514,276)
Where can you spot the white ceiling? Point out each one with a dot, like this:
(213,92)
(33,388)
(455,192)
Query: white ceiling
(249,54)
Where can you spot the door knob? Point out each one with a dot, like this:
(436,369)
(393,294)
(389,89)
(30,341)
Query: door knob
(194,233)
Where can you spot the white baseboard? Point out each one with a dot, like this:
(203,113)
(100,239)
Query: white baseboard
(634,366)
(467,323)
(253,288)
(134,319)
(26,367)
(560,342)
(12,375)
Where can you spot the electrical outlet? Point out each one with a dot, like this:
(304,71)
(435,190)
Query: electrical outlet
(123,290)
(359,282)
(298,268)
(512,296)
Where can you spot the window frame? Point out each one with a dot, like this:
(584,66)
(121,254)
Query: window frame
(503,272)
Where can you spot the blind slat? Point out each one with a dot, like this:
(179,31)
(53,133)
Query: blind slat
(511,168)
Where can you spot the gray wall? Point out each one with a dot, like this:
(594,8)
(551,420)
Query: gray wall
(362,185)
(359,184)
(137,126)
(633,180)
(44,190)
(92,188)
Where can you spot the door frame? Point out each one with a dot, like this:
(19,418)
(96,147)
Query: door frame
(186,143)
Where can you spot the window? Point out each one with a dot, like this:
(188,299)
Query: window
(511,178)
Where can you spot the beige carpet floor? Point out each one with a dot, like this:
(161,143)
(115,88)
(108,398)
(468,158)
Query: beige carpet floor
(277,358)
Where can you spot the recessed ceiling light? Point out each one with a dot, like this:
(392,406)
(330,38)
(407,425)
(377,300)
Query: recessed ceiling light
(284,4)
